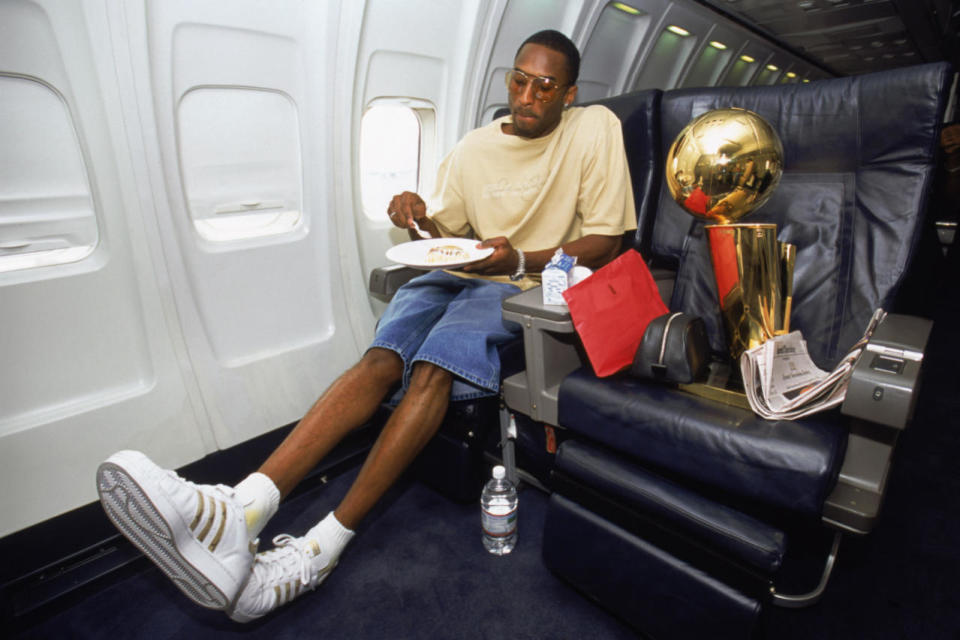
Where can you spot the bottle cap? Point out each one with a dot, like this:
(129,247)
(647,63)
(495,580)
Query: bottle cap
(499,472)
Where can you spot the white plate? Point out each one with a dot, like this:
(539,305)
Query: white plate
(414,254)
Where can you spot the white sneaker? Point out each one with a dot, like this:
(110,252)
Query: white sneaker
(295,566)
(196,534)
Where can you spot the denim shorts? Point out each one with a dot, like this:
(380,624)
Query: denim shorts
(454,323)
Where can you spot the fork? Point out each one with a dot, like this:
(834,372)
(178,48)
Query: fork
(420,232)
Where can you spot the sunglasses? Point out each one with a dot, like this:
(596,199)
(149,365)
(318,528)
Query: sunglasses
(545,88)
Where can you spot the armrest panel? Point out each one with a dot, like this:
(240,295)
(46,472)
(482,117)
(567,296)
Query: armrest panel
(384,281)
(551,351)
(884,383)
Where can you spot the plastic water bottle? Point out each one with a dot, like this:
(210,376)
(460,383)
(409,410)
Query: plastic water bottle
(498,513)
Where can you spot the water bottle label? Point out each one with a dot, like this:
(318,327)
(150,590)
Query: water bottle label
(499,525)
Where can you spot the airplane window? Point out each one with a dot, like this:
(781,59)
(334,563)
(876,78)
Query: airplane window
(708,65)
(670,53)
(620,28)
(47,213)
(740,72)
(768,75)
(240,161)
(390,150)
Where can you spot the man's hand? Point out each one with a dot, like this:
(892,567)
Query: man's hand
(502,262)
(405,208)
(408,207)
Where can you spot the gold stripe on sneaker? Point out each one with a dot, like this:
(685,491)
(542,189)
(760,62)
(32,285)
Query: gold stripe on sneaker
(287,592)
(276,589)
(196,518)
(223,525)
(213,516)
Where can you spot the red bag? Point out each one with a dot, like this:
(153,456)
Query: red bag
(612,308)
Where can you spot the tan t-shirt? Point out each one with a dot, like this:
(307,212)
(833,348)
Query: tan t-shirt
(539,193)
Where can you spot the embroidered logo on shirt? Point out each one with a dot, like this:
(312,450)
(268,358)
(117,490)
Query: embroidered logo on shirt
(527,189)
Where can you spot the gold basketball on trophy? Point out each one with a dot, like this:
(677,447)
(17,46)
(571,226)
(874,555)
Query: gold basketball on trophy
(720,167)
(724,164)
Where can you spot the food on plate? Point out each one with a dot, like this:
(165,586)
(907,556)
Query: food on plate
(445,253)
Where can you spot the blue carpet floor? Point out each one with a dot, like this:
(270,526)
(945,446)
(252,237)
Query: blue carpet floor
(417,569)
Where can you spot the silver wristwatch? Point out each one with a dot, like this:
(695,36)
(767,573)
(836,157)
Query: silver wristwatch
(521,266)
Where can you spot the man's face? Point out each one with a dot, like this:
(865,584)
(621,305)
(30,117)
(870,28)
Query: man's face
(534,117)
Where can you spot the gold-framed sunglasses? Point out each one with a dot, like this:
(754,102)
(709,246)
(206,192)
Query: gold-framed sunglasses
(545,88)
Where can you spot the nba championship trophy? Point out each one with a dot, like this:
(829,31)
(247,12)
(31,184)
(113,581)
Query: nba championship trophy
(722,166)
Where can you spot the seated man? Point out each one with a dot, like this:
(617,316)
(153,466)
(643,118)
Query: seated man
(541,178)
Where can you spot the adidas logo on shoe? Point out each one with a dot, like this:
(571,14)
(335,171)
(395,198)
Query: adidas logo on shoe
(295,566)
(196,534)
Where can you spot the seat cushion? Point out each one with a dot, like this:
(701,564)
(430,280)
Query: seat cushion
(790,465)
(686,512)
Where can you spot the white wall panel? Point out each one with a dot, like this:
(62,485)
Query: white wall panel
(262,316)
(89,365)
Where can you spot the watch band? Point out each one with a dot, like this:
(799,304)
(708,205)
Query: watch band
(521,266)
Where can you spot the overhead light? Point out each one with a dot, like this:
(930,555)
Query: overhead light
(772,67)
(680,31)
(791,74)
(807,80)
(626,8)
(716,44)
(747,58)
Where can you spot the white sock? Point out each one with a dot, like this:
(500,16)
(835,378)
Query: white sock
(331,535)
(260,499)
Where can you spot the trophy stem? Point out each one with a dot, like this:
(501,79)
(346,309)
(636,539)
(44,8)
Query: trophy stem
(754,276)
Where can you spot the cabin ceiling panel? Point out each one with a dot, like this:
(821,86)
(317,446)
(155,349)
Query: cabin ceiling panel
(849,36)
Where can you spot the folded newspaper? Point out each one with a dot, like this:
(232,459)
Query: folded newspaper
(783,383)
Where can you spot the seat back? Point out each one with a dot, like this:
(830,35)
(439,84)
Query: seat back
(859,160)
(639,114)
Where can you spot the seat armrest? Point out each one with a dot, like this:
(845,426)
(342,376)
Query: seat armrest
(551,351)
(880,397)
(884,383)
(384,281)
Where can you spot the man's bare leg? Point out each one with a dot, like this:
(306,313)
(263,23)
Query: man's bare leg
(412,424)
(349,402)
(278,575)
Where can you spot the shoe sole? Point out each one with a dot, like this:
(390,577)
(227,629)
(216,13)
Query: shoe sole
(140,518)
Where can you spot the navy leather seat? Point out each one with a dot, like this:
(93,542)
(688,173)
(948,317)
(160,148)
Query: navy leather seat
(782,464)
(680,507)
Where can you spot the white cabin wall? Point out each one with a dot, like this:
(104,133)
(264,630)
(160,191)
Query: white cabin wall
(264,316)
(91,355)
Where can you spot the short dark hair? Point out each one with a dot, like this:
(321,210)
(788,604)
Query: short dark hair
(560,43)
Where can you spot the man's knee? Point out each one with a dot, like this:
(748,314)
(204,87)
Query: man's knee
(382,364)
(428,376)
